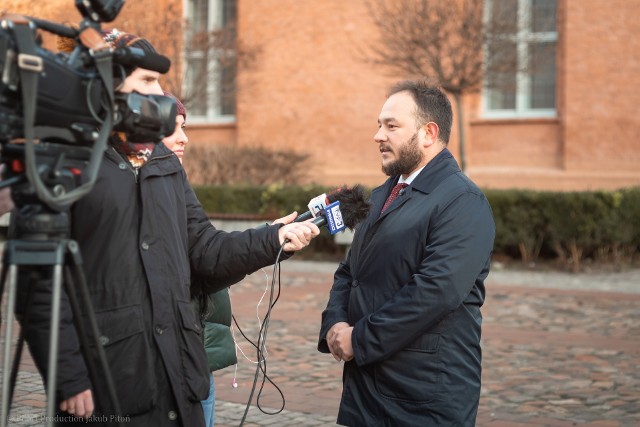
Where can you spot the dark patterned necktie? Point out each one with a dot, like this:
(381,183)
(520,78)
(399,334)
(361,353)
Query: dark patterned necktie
(393,195)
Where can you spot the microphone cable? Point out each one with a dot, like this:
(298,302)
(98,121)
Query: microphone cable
(262,343)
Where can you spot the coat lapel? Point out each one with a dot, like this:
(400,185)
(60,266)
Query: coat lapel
(431,176)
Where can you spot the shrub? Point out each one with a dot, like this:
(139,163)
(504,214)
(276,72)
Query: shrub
(520,223)
(230,164)
(602,225)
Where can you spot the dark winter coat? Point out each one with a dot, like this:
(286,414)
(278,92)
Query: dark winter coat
(140,236)
(412,287)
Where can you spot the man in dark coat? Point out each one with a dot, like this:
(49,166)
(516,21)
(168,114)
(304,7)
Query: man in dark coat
(404,309)
(141,232)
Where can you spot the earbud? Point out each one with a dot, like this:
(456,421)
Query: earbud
(235,384)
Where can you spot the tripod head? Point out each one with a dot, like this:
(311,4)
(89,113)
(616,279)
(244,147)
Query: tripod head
(60,168)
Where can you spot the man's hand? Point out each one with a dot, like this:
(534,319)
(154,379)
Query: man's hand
(80,405)
(297,235)
(339,341)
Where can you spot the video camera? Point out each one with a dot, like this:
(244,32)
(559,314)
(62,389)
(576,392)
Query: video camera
(66,103)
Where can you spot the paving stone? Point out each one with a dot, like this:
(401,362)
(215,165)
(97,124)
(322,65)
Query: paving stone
(558,350)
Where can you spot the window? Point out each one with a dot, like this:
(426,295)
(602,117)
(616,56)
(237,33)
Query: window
(210,60)
(520,80)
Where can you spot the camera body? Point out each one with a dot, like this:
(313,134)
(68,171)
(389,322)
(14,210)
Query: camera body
(66,102)
(71,96)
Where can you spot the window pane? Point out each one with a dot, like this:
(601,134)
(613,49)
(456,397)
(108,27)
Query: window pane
(198,13)
(504,17)
(197,83)
(503,98)
(229,11)
(501,75)
(227,54)
(543,15)
(228,92)
(198,26)
(543,75)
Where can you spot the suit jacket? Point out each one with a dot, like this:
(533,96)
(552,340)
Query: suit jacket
(412,287)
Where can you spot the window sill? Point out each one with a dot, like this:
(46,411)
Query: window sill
(210,125)
(514,120)
(221,121)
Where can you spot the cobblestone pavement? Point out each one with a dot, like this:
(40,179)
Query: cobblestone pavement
(558,350)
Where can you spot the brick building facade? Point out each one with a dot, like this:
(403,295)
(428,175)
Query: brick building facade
(312,90)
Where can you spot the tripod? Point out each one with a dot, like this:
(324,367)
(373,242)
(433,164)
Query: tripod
(44,244)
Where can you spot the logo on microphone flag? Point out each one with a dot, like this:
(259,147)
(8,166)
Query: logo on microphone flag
(334,217)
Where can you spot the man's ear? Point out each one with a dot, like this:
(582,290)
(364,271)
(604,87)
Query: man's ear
(431,133)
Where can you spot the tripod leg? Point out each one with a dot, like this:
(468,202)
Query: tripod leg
(4,411)
(20,344)
(53,342)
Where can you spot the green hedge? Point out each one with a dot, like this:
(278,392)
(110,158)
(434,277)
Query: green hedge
(603,225)
(269,201)
(530,225)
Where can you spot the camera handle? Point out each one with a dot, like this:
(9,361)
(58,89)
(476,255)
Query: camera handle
(64,256)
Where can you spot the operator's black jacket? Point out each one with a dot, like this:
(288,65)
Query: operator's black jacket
(412,287)
(140,236)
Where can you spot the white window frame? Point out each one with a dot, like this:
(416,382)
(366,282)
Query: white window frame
(523,79)
(214,104)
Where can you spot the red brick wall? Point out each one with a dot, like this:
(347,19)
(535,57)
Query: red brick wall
(311,90)
(602,88)
(312,93)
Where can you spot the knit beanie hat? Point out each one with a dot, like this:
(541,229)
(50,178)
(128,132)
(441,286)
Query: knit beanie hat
(118,39)
(181,110)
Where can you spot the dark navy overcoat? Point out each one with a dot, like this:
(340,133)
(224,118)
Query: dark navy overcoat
(412,287)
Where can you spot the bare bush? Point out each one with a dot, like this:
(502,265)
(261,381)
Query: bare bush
(229,164)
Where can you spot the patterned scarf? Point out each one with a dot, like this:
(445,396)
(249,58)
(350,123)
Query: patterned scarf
(137,152)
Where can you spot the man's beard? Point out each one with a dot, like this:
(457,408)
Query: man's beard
(409,157)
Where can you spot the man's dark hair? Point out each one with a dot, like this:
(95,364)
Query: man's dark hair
(433,104)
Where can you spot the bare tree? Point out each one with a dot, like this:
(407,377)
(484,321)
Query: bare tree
(448,41)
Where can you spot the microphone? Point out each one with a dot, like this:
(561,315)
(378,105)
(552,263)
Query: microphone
(354,198)
(134,56)
(347,208)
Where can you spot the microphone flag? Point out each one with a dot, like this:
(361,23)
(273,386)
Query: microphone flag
(335,223)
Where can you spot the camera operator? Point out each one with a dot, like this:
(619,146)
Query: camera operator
(141,231)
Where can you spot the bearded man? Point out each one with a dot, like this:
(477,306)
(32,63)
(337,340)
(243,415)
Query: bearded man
(404,310)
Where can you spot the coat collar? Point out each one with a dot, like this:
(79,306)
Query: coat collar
(161,162)
(440,167)
(436,171)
